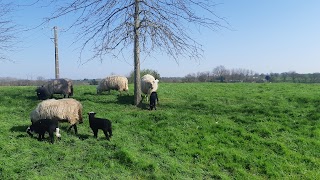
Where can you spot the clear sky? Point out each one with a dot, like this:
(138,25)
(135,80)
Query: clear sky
(266,36)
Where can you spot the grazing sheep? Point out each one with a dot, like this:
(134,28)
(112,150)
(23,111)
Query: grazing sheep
(63,109)
(119,83)
(100,123)
(153,100)
(55,86)
(45,125)
(148,85)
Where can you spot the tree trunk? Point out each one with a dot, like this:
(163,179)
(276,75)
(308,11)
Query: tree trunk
(137,80)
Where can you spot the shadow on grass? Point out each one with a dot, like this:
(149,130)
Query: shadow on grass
(128,100)
(32,98)
(83,136)
(144,106)
(65,128)
(125,99)
(19,128)
(89,93)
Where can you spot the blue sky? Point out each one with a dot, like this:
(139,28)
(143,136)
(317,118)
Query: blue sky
(265,36)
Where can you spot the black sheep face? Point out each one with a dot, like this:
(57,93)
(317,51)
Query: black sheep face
(42,93)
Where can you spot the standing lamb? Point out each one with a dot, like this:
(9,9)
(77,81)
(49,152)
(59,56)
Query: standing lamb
(45,125)
(148,84)
(119,83)
(100,123)
(153,100)
(55,86)
(63,109)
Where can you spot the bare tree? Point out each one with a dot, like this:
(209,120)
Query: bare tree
(203,76)
(220,72)
(6,29)
(293,75)
(111,26)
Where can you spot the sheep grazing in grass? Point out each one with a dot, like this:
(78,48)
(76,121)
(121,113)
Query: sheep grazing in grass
(63,110)
(148,85)
(55,86)
(100,123)
(119,83)
(45,125)
(153,100)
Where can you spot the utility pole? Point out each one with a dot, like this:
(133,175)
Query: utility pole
(56,52)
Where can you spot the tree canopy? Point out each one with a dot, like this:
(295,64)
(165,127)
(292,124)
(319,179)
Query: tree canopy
(111,26)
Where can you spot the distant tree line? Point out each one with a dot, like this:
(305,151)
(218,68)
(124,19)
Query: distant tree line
(219,74)
(222,74)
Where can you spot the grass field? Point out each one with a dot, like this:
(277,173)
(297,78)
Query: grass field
(200,131)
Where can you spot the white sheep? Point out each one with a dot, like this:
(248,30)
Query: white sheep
(149,84)
(119,83)
(63,109)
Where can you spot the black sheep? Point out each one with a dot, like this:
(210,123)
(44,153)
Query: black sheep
(153,100)
(55,86)
(42,93)
(45,125)
(100,123)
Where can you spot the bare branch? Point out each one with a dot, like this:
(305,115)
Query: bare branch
(107,26)
(6,30)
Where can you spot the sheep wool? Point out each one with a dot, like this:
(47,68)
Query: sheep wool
(149,84)
(63,109)
(119,83)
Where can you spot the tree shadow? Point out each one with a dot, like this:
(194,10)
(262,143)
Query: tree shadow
(125,99)
(144,106)
(128,100)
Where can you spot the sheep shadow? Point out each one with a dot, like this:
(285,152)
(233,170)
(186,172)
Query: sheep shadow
(22,128)
(83,136)
(32,98)
(89,93)
(65,128)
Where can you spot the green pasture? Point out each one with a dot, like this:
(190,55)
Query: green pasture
(199,131)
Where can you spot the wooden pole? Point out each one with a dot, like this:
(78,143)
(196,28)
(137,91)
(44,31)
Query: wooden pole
(57,75)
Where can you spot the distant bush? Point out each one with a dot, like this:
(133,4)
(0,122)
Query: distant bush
(143,72)
(93,82)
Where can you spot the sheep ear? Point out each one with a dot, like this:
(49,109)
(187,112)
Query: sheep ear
(157,80)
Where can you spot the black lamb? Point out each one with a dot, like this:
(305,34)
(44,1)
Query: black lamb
(153,100)
(100,123)
(45,125)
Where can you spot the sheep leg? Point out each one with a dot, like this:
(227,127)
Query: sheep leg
(51,137)
(29,131)
(110,132)
(106,134)
(41,136)
(74,127)
(95,133)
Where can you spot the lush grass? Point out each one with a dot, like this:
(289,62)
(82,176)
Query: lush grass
(200,131)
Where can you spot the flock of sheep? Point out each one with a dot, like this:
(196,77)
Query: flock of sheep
(49,112)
